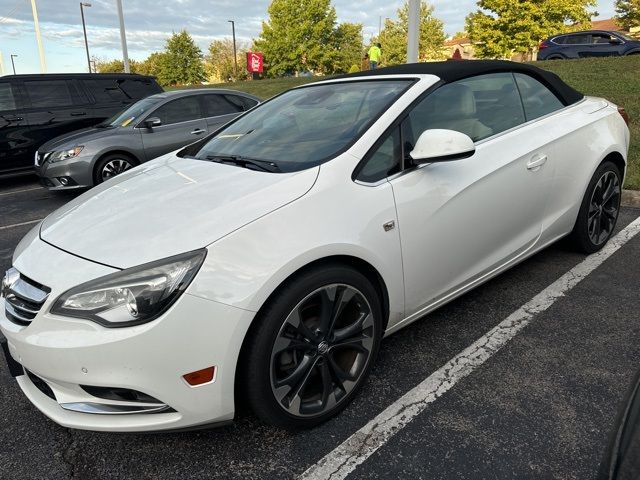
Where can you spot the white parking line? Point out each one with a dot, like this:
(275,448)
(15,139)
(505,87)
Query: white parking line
(343,460)
(20,224)
(20,191)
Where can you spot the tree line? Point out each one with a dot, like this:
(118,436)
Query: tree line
(305,36)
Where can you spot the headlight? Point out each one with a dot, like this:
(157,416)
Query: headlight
(65,154)
(133,296)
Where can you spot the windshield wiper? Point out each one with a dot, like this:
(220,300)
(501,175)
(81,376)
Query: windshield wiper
(250,163)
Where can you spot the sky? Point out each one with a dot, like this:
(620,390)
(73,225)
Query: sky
(149,22)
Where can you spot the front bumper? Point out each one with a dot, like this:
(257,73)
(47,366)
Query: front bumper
(74,173)
(66,354)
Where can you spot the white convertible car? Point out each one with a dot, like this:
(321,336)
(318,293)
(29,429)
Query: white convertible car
(269,259)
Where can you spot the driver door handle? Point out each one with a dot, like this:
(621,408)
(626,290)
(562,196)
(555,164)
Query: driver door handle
(536,162)
(197,131)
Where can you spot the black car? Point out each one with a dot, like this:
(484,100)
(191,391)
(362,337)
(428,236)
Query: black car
(622,461)
(592,43)
(37,108)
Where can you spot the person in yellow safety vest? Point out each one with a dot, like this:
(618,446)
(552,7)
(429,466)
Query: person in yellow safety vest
(374,56)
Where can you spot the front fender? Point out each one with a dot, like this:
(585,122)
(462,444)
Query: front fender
(246,267)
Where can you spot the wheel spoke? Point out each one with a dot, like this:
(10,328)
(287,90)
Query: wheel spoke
(296,322)
(285,343)
(355,328)
(336,299)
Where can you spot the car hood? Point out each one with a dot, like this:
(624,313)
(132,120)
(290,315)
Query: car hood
(77,138)
(168,206)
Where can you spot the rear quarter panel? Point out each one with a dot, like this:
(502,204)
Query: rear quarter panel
(583,136)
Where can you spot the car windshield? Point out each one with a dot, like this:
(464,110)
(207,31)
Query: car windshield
(130,114)
(304,127)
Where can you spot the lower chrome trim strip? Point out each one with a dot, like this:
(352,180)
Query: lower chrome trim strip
(110,409)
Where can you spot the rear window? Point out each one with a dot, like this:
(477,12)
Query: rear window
(49,93)
(7,98)
(537,99)
(577,39)
(243,102)
(106,91)
(221,105)
(139,88)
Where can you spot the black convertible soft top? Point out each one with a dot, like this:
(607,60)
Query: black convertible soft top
(453,70)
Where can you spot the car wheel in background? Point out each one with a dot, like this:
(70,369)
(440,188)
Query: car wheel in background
(313,347)
(599,209)
(112,165)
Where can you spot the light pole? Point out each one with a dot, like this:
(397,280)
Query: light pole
(84,29)
(235,56)
(13,65)
(123,38)
(413,31)
(36,26)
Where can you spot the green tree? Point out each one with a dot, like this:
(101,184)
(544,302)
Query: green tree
(393,37)
(349,46)
(502,28)
(152,64)
(116,66)
(299,35)
(628,13)
(219,64)
(181,61)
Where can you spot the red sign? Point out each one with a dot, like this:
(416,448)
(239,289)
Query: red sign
(255,62)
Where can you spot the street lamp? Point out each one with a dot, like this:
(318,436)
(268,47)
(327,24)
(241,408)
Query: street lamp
(84,29)
(235,56)
(13,65)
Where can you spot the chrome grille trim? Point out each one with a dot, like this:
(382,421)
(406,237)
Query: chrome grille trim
(29,292)
(23,297)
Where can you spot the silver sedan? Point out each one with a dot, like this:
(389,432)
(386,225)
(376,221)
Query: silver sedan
(147,129)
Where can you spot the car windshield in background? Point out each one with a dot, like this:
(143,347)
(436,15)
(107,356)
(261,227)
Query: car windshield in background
(306,126)
(132,113)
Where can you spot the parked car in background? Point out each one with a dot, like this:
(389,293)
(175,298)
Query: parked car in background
(592,43)
(271,258)
(147,129)
(622,460)
(37,108)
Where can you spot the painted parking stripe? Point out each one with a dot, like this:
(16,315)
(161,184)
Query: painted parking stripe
(20,191)
(20,224)
(343,460)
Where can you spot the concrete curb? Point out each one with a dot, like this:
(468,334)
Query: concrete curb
(631,198)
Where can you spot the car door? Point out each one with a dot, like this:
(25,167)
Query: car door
(182,122)
(606,45)
(55,107)
(578,45)
(14,137)
(461,220)
(220,108)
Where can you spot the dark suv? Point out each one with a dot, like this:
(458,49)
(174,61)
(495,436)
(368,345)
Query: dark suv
(592,43)
(37,108)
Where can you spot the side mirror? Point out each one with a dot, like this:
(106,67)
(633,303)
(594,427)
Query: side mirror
(439,145)
(152,122)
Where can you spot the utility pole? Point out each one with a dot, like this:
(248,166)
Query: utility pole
(13,65)
(413,33)
(36,24)
(84,30)
(123,38)
(235,55)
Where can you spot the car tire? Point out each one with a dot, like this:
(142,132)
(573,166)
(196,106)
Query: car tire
(297,370)
(599,209)
(111,165)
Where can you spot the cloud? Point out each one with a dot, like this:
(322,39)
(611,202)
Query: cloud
(150,22)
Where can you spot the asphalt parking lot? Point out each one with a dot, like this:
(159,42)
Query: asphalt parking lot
(542,406)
